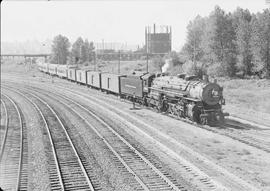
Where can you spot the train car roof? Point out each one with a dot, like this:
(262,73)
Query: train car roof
(113,74)
(141,75)
(147,75)
(96,71)
(81,69)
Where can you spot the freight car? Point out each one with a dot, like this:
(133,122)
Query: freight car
(43,67)
(110,83)
(94,79)
(188,97)
(62,71)
(135,87)
(52,69)
(72,74)
(81,76)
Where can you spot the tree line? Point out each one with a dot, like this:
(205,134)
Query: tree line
(229,44)
(82,51)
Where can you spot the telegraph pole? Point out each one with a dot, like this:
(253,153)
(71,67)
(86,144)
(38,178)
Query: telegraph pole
(147,62)
(194,53)
(95,61)
(119,59)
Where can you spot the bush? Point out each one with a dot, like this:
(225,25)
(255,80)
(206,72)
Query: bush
(192,68)
(216,70)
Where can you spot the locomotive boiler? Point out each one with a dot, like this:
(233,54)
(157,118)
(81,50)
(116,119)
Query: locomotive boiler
(188,97)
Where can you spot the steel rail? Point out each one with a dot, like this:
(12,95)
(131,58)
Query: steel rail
(50,138)
(109,146)
(21,141)
(212,129)
(204,127)
(171,184)
(69,139)
(6,130)
(127,143)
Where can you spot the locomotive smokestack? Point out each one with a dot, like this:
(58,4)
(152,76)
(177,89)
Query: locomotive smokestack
(205,78)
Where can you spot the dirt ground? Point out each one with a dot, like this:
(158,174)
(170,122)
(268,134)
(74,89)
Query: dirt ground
(204,149)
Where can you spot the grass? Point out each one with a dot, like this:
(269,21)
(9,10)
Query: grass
(249,94)
(248,99)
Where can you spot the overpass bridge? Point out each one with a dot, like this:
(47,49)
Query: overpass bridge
(45,56)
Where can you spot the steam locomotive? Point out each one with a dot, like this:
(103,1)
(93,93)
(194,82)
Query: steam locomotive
(188,97)
(183,96)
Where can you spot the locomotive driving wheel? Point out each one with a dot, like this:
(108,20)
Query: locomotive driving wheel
(165,106)
(220,118)
(203,120)
(170,109)
(196,114)
(179,114)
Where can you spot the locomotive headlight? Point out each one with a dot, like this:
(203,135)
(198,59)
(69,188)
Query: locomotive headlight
(215,93)
(223,101)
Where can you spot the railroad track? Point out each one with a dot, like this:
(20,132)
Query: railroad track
(241,137)
(14,149)
(245,137)
(226,130)
(90,96)
(148,176)
(68,169)
(4,130)
(222,130)
(147,172)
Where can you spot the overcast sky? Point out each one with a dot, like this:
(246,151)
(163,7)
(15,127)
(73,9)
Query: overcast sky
(113,21)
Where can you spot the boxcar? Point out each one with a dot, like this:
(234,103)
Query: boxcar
(136,84)
(72,74)
(81,76)
(52,69)
(43,67)
(111,82)
(94,79)
(62,71)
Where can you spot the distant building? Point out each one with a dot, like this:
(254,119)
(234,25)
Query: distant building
(158,40)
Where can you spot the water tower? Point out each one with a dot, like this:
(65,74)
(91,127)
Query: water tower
(158,40)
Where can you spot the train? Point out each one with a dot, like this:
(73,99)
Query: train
(186,97)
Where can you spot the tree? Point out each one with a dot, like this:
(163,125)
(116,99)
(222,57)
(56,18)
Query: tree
(219,41)
(60,49)
(175,57)
(76,50)
(260,43)
(195,31)
(87,50)
(242,27)
(82,51)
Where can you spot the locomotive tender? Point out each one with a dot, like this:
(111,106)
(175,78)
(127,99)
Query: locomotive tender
(182,96)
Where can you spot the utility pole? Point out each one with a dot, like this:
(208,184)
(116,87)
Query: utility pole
(147,62)
(119,59)
(103,48)
(58,58)
(194,53)
(95,61)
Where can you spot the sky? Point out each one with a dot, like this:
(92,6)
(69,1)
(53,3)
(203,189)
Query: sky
(121,21)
